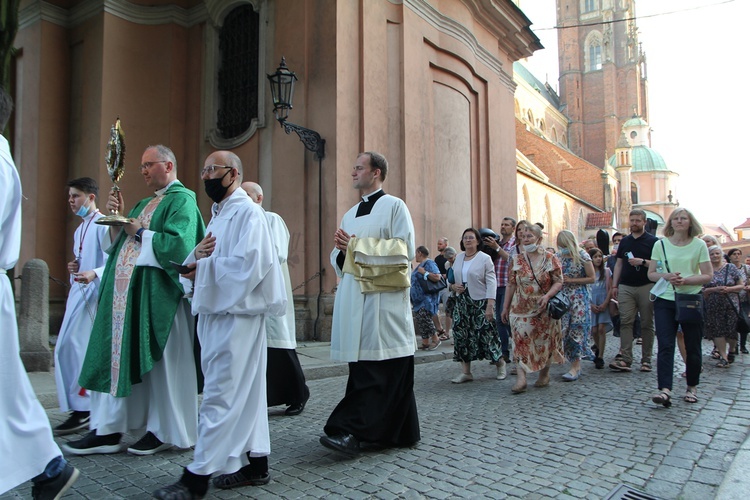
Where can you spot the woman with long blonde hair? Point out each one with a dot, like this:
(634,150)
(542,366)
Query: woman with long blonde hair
(578,274)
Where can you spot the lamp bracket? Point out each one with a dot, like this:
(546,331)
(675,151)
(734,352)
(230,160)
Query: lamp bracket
(310,138)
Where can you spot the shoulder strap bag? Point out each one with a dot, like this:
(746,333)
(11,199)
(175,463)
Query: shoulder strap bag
(558,305)
(688,306)
(743,321)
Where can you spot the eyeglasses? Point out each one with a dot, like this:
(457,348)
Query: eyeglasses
(148,164)
(210,169)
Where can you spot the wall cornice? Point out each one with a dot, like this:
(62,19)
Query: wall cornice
(461,33)
(40,10)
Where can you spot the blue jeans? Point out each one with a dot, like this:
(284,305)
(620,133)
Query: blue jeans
(666,337)
(502,329)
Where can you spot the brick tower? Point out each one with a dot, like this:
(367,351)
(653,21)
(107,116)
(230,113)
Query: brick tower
(602,73)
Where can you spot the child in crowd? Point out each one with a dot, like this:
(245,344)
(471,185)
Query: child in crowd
(601,293)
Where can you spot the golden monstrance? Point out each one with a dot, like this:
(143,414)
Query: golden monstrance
(115,167)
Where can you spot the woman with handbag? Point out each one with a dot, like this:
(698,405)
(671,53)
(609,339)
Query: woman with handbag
(425,304)
(474,334)
(735,258)
(682,260)
(535,276)
(721,296)
(578,274)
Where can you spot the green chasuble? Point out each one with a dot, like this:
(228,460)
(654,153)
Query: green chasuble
(153,295)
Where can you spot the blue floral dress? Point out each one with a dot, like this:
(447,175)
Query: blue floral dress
(576,324)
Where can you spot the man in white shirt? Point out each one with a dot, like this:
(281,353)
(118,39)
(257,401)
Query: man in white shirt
(85,270)
(29,452)
(236,282)
(374,332)
(285,380)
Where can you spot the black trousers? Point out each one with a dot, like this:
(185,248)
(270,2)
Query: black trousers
(379,404)
(285,380)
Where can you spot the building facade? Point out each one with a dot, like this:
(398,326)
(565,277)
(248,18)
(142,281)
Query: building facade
(427,83)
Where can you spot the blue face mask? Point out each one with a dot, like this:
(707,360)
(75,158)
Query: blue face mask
(83,211)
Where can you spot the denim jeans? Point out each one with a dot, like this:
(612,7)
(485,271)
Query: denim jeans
(502,329)
(666,337)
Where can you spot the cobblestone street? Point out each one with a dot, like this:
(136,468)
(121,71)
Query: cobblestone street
(569,440)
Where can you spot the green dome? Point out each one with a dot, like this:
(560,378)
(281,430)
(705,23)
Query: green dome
(644,159)
(636,121)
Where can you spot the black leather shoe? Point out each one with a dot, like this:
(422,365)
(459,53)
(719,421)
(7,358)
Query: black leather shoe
(295,409)
(343,443)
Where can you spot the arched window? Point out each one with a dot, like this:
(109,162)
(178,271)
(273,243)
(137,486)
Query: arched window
(234,79)
(633,193)
(238,72)
(593,51)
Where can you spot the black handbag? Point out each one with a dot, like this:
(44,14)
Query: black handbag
(743,319)
(558,305)
(688,306)
(430,287)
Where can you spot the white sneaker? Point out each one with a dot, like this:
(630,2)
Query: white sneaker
(501,371)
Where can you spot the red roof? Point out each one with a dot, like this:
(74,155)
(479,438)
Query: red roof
(744,225)
(600,219)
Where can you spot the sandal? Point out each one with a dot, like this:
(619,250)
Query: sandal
(645,366)
(444,336)
(715,354)
(723,363)
(690,397)
(664,398)
(620,365)
(730,358)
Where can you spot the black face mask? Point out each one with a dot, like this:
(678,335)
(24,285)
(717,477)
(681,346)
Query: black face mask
(214,189)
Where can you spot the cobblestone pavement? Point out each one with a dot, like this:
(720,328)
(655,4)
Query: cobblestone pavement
(569,440)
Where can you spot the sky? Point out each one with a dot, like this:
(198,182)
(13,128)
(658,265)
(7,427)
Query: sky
(697,62)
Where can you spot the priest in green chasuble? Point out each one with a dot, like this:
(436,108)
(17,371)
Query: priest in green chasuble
(139,365)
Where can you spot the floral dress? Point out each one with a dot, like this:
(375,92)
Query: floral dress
(721,309)
(536,337)
(576,323)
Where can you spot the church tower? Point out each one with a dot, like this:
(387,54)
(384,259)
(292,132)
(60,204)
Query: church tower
(602,73)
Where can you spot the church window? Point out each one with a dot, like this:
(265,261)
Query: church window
(238,73)
(633,193)
(593,51)
(590,5)
(233,82)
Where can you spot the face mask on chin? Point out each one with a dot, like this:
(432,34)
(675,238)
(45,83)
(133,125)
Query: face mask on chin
(83,211)
(530,248)
(214,189)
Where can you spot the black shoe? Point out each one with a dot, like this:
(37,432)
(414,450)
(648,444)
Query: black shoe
(343,443)
(744,350)
(91,444)
(177,491)
(243,477)
(598,363)
(730,358)
(76,421)
(148,445)
(295,409)
(55,487)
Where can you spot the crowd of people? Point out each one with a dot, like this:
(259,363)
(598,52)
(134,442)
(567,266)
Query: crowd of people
(640,289)
(164,307)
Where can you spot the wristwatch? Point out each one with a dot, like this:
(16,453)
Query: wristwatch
(138,234)
(643,262)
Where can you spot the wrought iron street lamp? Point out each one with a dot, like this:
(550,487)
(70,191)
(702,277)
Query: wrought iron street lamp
(282,92)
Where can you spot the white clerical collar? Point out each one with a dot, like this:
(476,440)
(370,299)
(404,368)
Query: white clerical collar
(163,190)
(366,197)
